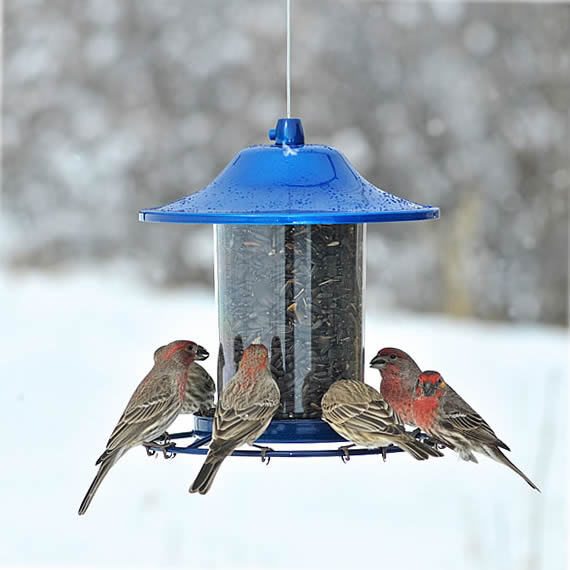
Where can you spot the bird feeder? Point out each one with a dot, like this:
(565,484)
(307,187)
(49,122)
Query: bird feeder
(289,226)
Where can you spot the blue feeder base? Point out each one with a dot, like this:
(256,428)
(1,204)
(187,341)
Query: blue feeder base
(278,432)
(281,431)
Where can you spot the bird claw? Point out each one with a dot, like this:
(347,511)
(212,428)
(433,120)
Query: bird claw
(149,450)
(164,439)
(264,451)
(345,457)
(417,433)
(432,442)
(163,444)
(383,452)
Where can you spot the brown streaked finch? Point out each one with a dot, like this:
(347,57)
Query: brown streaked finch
(244,411)
(446,416)
(399,376)
(153,407)
(358,413)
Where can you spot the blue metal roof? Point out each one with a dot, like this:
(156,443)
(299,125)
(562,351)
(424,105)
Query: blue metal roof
(289,183)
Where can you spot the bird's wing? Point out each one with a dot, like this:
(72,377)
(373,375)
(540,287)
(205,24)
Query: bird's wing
(143,413)
(461,417)
(376,416)
(238,419)
(240,424)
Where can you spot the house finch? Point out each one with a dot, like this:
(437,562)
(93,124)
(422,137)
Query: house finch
(358,413)
(399,376)
(244,411)
(446,416)
(200,390)
(200,387)
(152,408)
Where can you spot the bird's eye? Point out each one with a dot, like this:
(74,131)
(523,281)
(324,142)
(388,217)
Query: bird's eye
(190,348)
(439,382)
(393,357)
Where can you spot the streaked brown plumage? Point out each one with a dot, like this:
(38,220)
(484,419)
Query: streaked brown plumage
(200,391)
(244,411)
(360,414)
(154,405)
(314,388)
(443,414)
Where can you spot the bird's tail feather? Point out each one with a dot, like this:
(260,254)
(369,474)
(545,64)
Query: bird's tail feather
(205,477)
(105,464)
(499,456)
(417,449)
(219,450)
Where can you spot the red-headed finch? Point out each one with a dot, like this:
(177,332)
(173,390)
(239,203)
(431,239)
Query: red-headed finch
(200,387)
(358,413)
(154,405)
(248,404)
(399,376)
(446,416)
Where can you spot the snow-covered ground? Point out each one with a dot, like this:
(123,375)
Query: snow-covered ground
(75,346)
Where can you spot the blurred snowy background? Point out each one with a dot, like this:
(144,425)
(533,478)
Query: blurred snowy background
(76,346)
(110,106)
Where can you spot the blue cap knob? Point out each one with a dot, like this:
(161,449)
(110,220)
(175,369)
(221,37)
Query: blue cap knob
(288,132)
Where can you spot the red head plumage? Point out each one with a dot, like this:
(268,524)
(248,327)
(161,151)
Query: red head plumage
(394,359)
(399,376)
(393,351)
(171,350)
(430,385)
(430,376)
(254,360)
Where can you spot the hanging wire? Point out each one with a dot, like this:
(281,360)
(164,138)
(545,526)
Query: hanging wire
(288,59)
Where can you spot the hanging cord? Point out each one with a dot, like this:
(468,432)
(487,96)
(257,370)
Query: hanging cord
(288,59)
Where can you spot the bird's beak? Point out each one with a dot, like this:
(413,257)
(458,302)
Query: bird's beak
(378,362)
(201,353)
(428,388)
